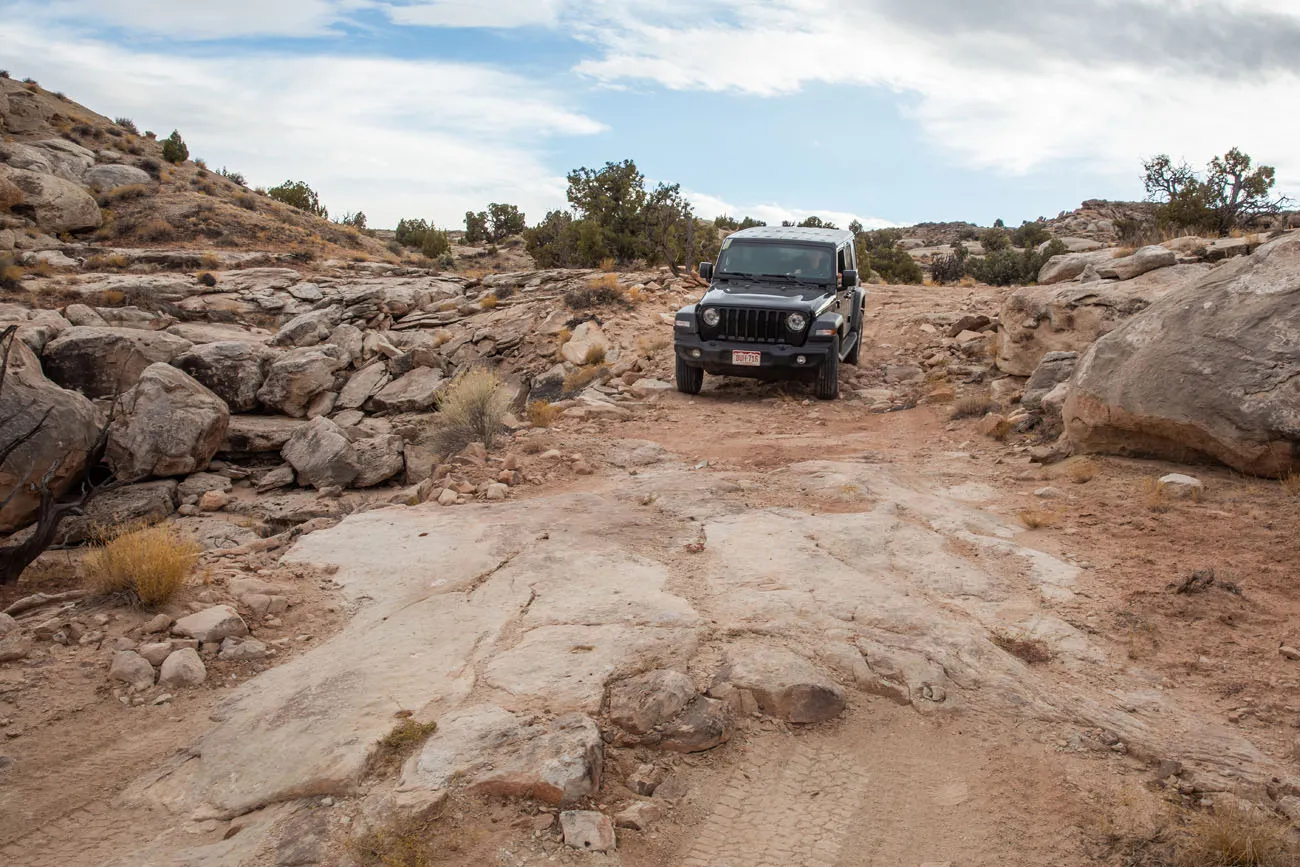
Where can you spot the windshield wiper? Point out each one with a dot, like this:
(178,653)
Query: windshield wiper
(788,277)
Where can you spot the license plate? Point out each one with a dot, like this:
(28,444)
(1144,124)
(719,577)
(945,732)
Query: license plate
(746,359)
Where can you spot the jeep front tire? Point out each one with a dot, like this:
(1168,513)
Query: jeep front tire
(689,379)
(828,376)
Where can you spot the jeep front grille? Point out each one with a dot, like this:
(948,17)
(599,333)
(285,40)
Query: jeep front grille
(748,325)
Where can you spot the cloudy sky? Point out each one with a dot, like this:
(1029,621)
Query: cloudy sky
(894,111)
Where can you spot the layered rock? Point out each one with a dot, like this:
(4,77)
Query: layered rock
(300,376)
(102,362)
(1209,372)
(57,205)
(234,371)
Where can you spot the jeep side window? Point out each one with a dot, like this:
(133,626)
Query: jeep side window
(843,259)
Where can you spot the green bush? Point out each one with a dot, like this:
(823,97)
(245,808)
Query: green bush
(553,242)
(1031,234)
(476,227)
(1232,194)
(879,252)
(127,124)
(298,195)
(817,223)
(993,240)
(174,149)
(436,244)
(356,221)
(1012,267)
(952,267)
(504,221)
(236,177)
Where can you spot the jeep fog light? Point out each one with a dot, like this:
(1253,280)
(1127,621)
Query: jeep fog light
(796,322)
(799,359)
(711,317)
(695,353)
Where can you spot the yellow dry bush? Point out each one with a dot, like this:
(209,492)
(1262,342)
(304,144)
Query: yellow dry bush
(146,565)
(1236,837)
(608,264)
(1291,484)
(582,377)
(647,346)
(595,355)
(1081,470)
(472,409)
(487,302)
(542,413)
(1035,519)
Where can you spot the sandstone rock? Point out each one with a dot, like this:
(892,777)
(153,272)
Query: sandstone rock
(242,651)
(132,669)
(234,371)
(146,503)
(704,724)
(587,830)
(783,683)
(58,205)
(68,433)
(211,624)
(258,434)
(308,329)
(101,362)
(201,483)
(363,385)
(1054,401)
(417,391)
(1144,260)
(110,177)
(644,780)
(497,491)
(7,624)
(377,459)
(155,653)
(648,387)
(495,752)
(1208,372)
(1054,369)
(280,477)
(447,497)
(1068,266)
(586,338)
(1179,485)
(972,322)
(159,623)
(322,455)
(183,668)
(641,703)
(298,376)
(214,501)
(1036,320)
(640,816)
(167,425)
(350,339)
(14,647)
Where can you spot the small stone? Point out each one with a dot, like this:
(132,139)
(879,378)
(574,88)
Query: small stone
(497,491)
(1048,493)
(14,647)
(583,468)
(189,511)
(1289,652)
(239,651)
(156,652)
(640,815)
(673,788)
(214,501)
(132,669)
(543,822)
(587,830)
(644,780)
(447,497)
(211,624)
(1179,485)
(160,623)
(162,699)
(183,668)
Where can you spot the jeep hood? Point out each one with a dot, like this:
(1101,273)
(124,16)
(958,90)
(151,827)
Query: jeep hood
(778,296)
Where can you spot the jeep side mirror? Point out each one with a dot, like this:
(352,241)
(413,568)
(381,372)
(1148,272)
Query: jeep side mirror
(706,270)
(850,278)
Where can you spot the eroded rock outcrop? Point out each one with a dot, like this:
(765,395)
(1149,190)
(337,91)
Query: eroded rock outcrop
(1209,372)
(167,425)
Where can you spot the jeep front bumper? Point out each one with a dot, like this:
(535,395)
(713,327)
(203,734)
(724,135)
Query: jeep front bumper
(716,356)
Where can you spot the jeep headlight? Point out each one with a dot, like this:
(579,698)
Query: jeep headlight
(796,322)
(711,317)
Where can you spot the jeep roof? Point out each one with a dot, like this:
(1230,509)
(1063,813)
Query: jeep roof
(786,233)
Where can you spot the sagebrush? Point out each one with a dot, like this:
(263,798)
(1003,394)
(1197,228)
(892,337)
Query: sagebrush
(472,409)
(145,564)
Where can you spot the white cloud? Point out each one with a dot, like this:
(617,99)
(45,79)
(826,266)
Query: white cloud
(708,207)
(198,20)
(994,98)
(475,13)
(394,138)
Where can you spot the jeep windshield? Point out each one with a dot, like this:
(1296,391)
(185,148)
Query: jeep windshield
(763,260)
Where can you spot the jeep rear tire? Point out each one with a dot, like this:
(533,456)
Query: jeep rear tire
(689,379)
(828,376)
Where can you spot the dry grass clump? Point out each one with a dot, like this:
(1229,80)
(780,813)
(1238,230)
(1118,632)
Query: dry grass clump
(1235,837)
(600,291)
(397,745)
(595,355)
(542,413)
(971,406)
(582,377)
(1081,470)
(157,230)
(11,196)
(1035,519)
(608,264)
(636,295)
(10,275)
(146,565)
(648,345)
(1154,496)
(563,336)
(488,302)
(1291,484)
(1034,651)
(124,194)
(472,409)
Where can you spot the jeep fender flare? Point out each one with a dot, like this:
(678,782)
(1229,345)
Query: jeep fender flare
(829,320)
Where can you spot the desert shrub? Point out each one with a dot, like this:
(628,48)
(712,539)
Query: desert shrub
(10,274)
(1031,234)
(1081,470)
(542,413)
(153,167)
(147,565)
(84,130)
(503,292)
(581,377)
(296,194)
(437,245)
(597,293)
(1034,651)
(817,223)
(356,221)
(503,221)
(1010,267)
(993,240)
(4,73)
(952,267)
(489,301)
(398,744)
(1034,519)
(648,346)
(247,201)
(1232,193)
(157,230)
(1236,837)
(232,176)
(124,194)
(201,164)
(971,406)
(472,409)
(174,149)
(476,227)
(405,840)
(1291,484)
(32,81)
(595,355)
(127,124)
(879,252)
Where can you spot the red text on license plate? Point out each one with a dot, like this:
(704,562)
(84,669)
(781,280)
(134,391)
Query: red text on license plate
(746,359)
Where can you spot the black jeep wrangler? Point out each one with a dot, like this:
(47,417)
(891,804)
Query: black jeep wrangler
(782,304)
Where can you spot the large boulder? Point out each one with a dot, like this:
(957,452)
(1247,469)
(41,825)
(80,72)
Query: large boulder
(322,455)
(417,391)
(378,459)
(1054,369)
(363,385)
(783,683)
(57,205)
(308,329)
(146,503)
(258,434)
(1144,260)
(102,362)
(68,425)
(1070,266)
(1036,320)
(167,425)
(231,370)
(110,177)
(299,376)
(1211,371)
